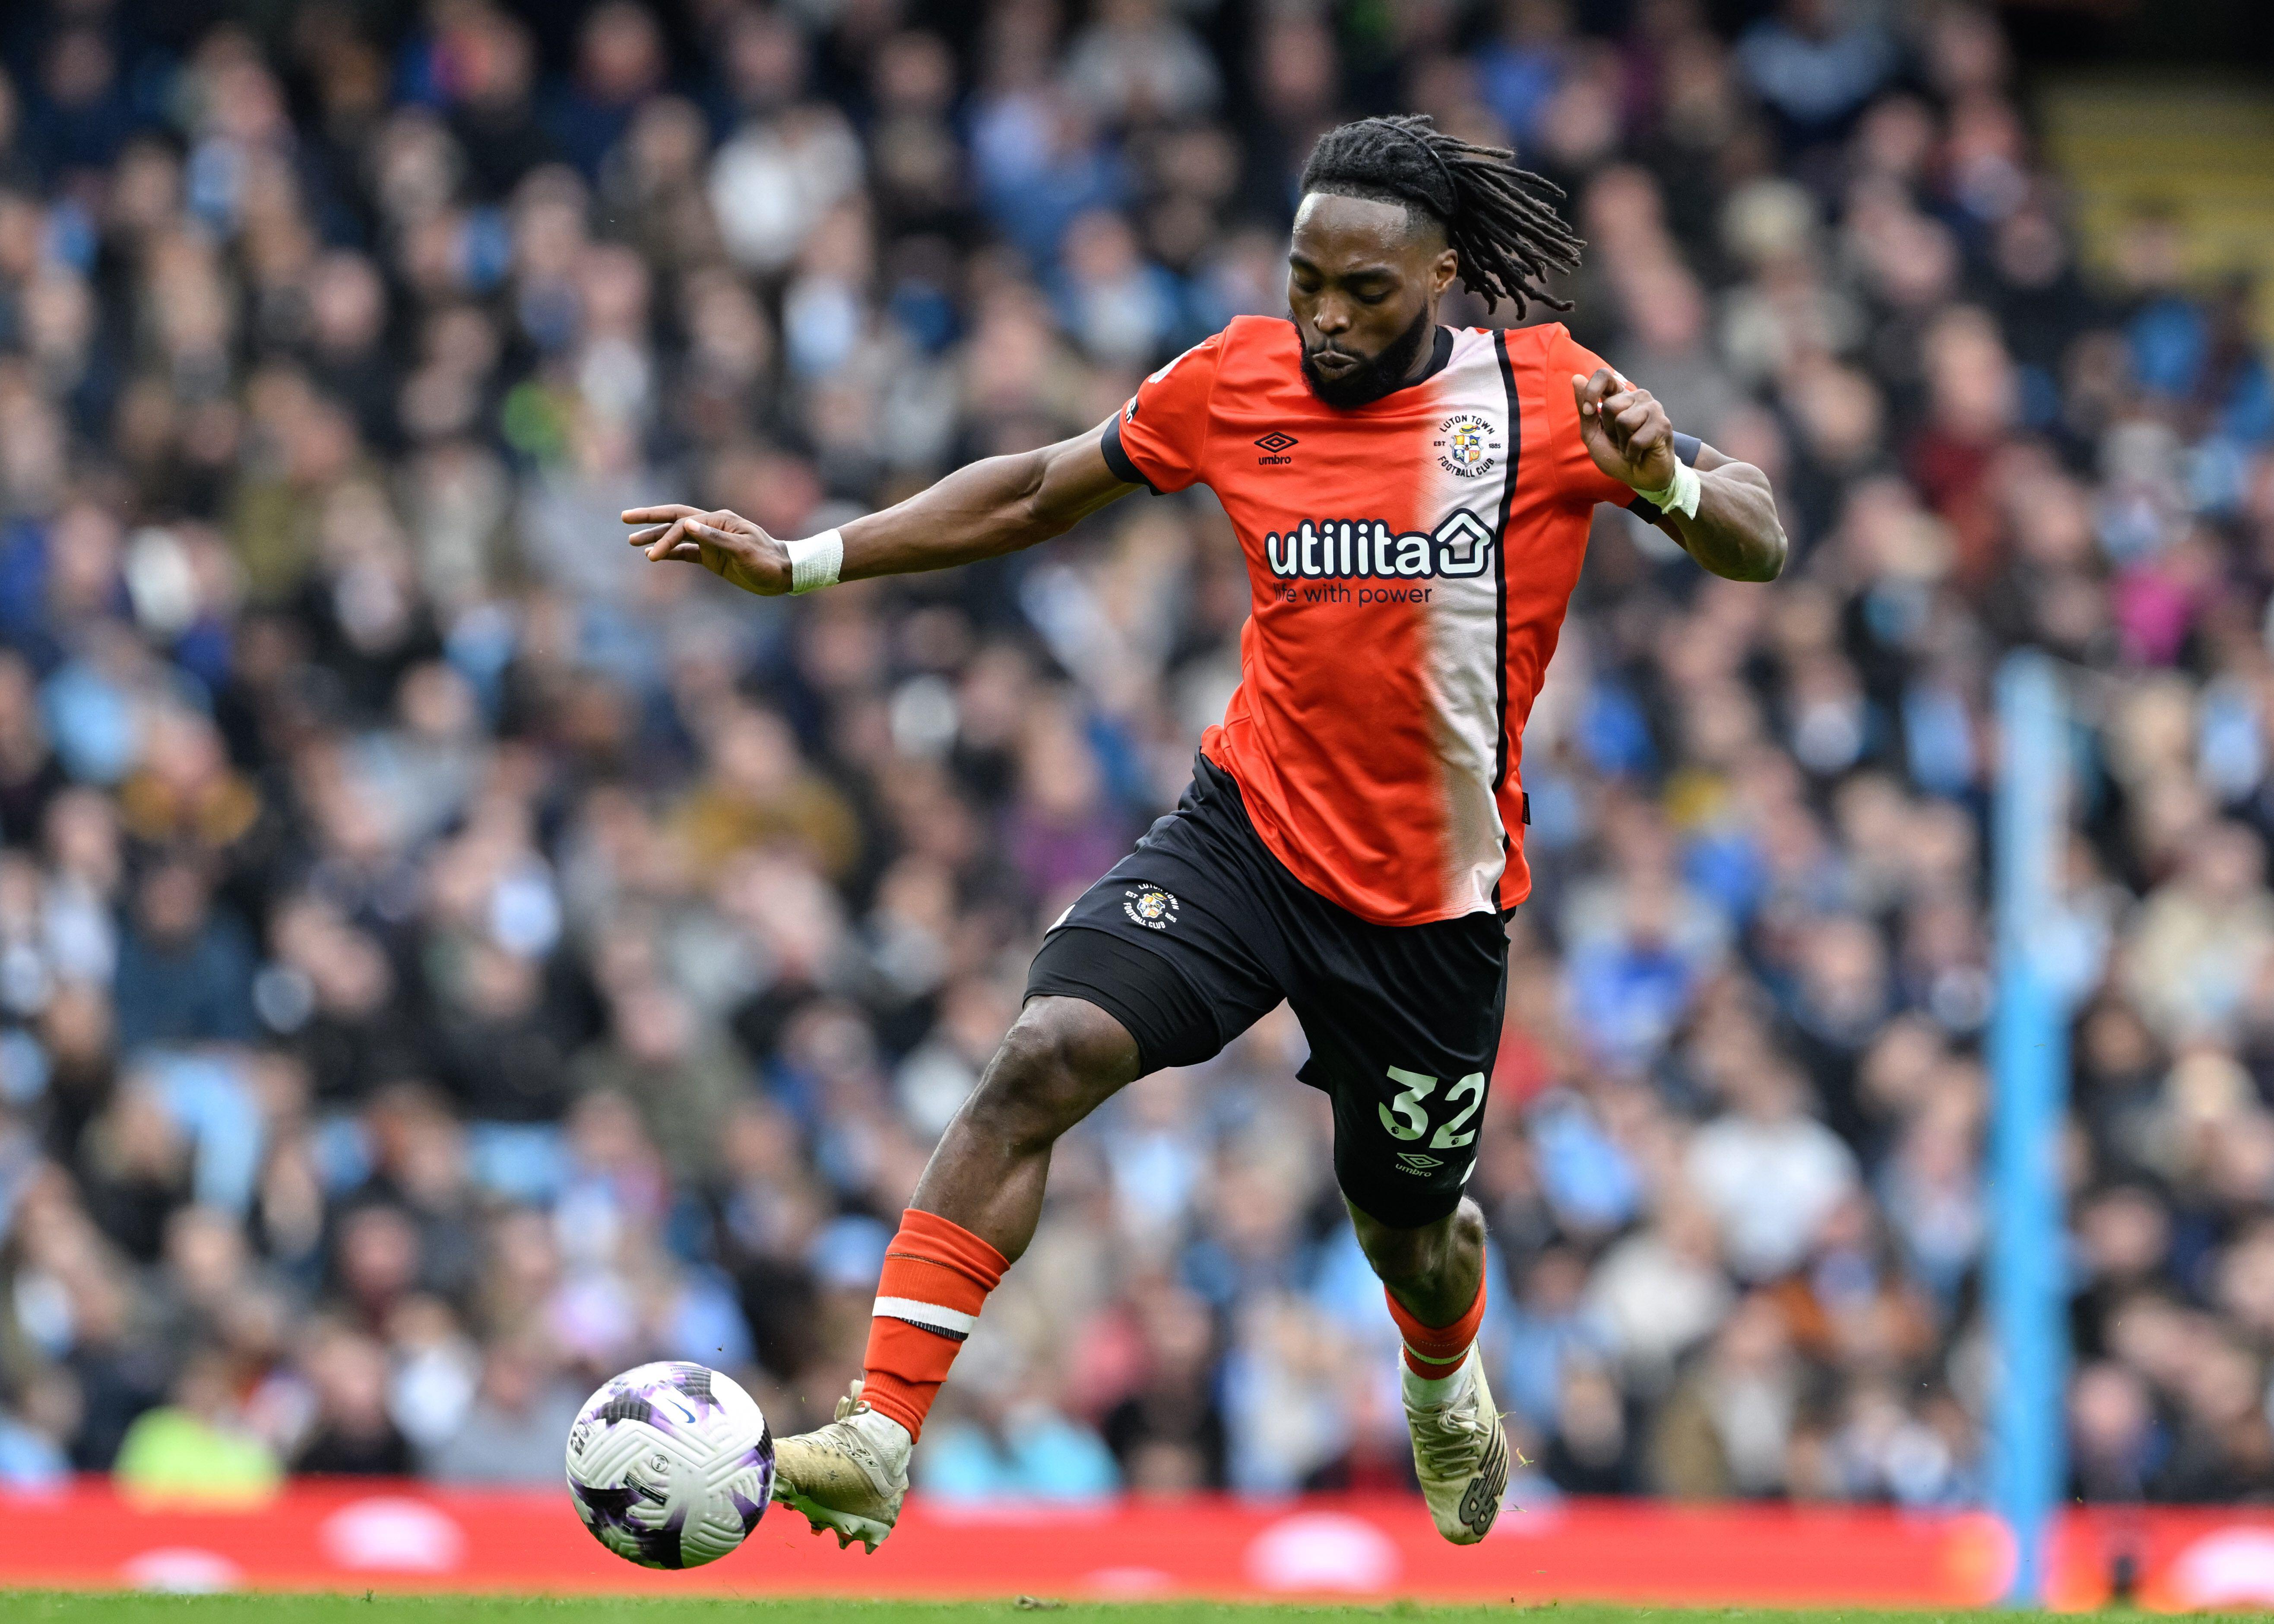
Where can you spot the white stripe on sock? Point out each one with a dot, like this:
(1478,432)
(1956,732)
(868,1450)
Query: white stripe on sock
(1434,1390)
(930,1316)
(1455,1363)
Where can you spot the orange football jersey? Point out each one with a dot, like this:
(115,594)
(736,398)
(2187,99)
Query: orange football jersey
(1410,561)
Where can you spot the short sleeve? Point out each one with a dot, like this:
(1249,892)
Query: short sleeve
(1576,472)
(1160,438)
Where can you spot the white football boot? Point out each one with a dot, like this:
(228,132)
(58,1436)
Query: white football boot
(1460,1449)
(848,1478)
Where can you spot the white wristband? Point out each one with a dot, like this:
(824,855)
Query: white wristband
(814,563)
(1679,497)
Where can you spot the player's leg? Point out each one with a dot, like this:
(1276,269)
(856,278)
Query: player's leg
(1434,1271)
(1404,1024)
(1433,1277)
(975,1207)
(972,1215)
(1059,1062)
(1131,979)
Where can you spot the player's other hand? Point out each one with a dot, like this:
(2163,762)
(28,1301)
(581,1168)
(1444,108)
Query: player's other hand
(1625,430)
(726,544)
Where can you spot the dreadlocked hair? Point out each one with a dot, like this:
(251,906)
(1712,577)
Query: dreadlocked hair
(1500,219)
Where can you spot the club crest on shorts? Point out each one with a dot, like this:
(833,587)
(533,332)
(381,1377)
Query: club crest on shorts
(1149,906)
(1465,445)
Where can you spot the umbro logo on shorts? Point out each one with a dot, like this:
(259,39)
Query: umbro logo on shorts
(1414,1162)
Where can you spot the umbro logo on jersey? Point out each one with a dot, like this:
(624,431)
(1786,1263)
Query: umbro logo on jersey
(1275,446)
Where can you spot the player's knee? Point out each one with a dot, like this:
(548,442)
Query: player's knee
(1414,1256)
(1053,1067)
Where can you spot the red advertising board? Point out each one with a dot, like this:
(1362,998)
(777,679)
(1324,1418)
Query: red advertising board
(358,1534)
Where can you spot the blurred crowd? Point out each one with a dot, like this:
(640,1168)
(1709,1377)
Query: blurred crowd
(444,961)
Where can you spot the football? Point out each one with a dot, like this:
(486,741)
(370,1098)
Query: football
(670,1465)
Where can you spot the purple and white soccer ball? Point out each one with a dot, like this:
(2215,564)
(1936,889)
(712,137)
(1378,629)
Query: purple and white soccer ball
(671,1465)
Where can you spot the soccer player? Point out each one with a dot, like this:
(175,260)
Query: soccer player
(1414,501)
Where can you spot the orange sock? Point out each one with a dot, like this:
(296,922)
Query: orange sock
(1433,1352)
(936,1278)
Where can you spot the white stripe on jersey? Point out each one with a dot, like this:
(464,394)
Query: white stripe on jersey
(1463,621)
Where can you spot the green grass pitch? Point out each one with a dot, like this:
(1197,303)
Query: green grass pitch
(48,1607)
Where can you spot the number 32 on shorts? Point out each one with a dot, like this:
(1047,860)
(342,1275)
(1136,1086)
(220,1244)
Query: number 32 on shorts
(1411,1120)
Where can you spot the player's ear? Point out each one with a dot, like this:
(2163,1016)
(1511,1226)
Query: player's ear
(1447,267)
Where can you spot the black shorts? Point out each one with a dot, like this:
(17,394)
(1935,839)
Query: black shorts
(1201,931)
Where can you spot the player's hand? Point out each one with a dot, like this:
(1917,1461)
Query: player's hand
(726,544)
(1625,430)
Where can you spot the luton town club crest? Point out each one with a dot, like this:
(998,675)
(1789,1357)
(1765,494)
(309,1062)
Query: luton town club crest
(1466,444)
(1149,906)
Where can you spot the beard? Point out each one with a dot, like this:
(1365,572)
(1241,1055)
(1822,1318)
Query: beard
(1374,377)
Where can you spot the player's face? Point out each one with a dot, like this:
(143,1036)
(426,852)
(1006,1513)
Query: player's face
(1363,278)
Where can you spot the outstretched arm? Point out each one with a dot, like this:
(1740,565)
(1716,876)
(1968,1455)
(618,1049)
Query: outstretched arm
(987,508)
(1735,532)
